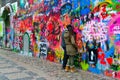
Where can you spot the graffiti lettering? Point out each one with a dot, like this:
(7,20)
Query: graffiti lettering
(43,48)
(116,30)
(96,31)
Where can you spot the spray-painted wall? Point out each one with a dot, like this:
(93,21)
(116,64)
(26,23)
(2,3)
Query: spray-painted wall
(39,25)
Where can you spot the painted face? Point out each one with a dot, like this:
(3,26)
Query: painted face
(66,20)
(53,35)
(103,12)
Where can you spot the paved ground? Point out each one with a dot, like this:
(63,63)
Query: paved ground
(14,70)
(16,67)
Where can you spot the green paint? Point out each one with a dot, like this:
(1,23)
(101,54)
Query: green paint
(84,65)
(14,7)
(1,29)
(115,67)
(118,68)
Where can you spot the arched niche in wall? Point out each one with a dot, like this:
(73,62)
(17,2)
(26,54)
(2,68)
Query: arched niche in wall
(26,44)
(7,16)
(6,19)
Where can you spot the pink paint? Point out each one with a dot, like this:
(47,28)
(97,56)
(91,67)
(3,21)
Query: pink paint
(114,27)
(30,1)
(115,18)
(117,75)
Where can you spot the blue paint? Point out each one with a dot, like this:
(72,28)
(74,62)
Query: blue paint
(84,4)
(67,1)
(110,53)
(117,37)
(56,2)
(46,2)
(84,11)
(84,56)
(101,67)
(75,4)
(94,70)
(66,8)
(22,3)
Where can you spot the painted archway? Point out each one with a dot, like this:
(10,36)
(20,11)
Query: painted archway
(26,44)
(7,15)
(6,19)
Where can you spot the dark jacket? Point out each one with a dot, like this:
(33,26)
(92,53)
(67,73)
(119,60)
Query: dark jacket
(63,41)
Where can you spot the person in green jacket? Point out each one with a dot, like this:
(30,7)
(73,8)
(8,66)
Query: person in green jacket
(71,48)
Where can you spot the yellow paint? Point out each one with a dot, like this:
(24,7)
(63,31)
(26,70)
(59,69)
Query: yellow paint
(36,50)
(59,53)
(35,0)
(81,27)
(109,1)
(103,3)
(106,2)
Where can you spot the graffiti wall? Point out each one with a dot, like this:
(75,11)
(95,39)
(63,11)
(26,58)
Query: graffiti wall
(1,31)
(38,27)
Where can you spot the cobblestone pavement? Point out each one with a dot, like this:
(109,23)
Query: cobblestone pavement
(17,67)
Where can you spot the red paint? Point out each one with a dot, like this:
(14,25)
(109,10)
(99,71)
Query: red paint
(108,73)
(109,60)
(101,56)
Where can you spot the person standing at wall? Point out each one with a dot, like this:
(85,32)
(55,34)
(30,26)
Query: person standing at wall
(65,58)
(71,48)
(66,21)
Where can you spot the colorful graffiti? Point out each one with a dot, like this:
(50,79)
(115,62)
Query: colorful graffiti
(1,28)
(1,32)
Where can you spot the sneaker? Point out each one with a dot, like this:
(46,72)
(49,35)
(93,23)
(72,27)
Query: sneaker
(72,69)
(67,68)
